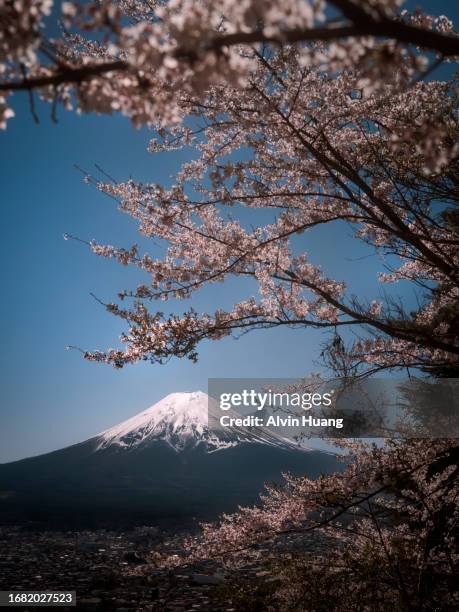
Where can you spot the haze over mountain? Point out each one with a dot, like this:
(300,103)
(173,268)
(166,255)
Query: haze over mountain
(170,462)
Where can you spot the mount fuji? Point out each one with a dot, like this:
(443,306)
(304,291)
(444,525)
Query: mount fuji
(170,464)
(184,421)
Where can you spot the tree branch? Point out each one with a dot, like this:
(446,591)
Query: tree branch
(68,75)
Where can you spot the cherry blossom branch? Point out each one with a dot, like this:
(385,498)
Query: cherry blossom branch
(363,24)
(397,30)
(65,75)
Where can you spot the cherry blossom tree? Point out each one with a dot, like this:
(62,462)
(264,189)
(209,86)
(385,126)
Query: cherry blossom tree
(318,151)
(338,131)
(389,523)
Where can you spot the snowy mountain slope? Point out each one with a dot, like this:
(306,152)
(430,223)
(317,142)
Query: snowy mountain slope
(183,421)
(179,419)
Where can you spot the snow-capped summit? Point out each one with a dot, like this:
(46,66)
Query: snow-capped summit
(181,420)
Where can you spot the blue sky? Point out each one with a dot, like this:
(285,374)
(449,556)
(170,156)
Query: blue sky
(51,397)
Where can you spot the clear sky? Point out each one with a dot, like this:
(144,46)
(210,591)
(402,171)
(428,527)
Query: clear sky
(51,397)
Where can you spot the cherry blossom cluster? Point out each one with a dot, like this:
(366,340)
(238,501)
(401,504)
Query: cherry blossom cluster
(389,517)
(20,29)
(20,35)
(140,58)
